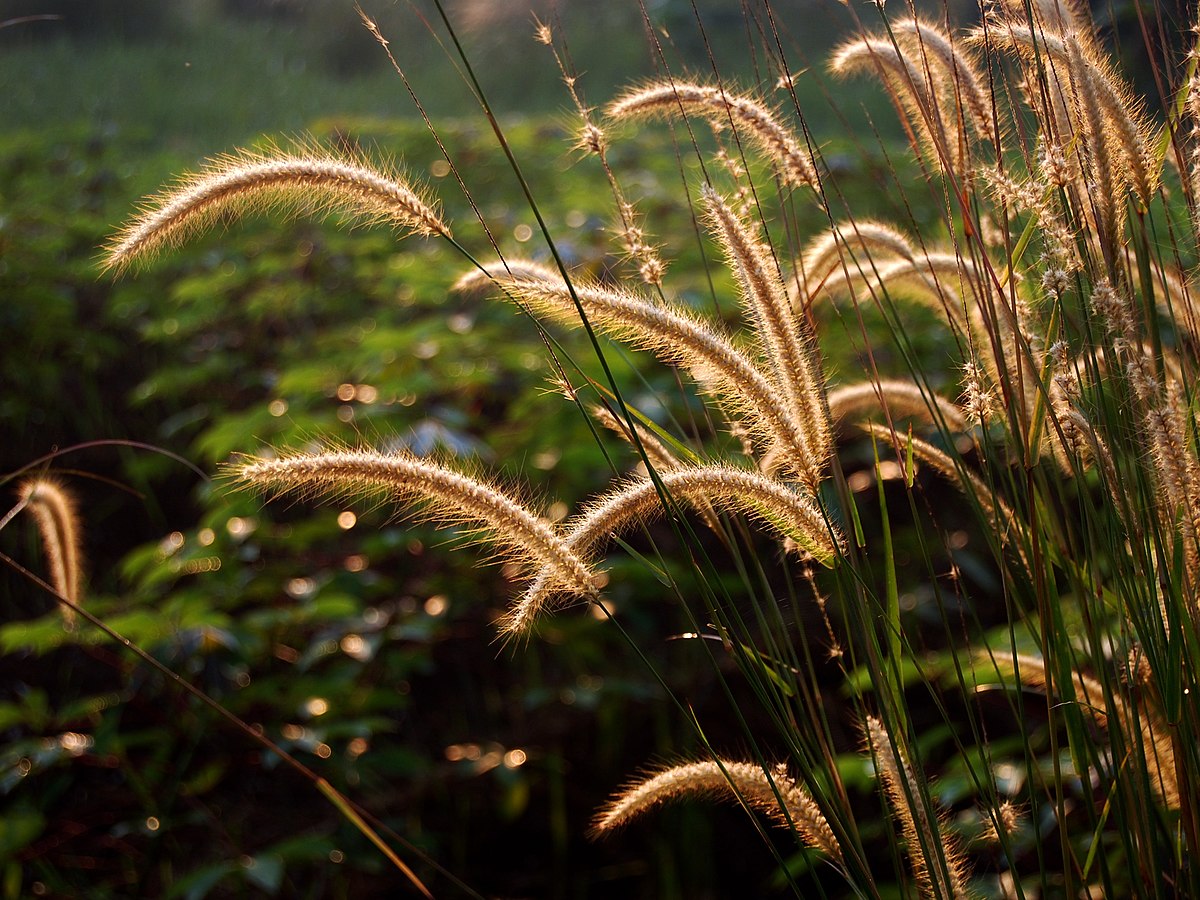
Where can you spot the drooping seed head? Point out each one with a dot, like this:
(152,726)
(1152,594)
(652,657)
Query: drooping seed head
(449,497)
(723,109)
(56,514)
(305,180)
(776,794)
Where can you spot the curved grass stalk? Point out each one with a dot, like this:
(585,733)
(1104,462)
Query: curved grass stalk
(484,281)
(910,88)
(659,454)
(1001,517)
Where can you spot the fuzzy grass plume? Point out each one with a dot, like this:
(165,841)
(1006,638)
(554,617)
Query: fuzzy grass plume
(775,794)
(56,514)
(937,862)
(681,338)
(449,497)
(722,109)
(794,517)
(304,180)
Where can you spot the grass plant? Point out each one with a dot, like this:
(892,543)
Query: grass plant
(964,596)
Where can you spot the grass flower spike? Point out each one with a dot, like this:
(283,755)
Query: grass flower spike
(777,795)
(451,498)
(306,180)
(57,516)
(722,109)
(935,857)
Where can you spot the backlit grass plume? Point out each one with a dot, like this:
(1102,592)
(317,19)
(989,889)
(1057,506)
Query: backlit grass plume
(56,514)
(749,117)
(679,337)
(783,336)
(443,495)
(796,519)
(937,861)
(306,180)
(1142,723)
(775,794)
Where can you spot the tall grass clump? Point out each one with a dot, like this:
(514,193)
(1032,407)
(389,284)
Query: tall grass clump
(965,607)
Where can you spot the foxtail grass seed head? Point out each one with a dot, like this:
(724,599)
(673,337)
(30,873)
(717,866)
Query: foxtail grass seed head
(660,456)
(681,338)
(957,73)
(449,497)
(305,180)
(481,282)
(1107,709)
(787,512)
(784,336)
(1001,824)
(891,400)
(938,865)
(722,109)
(913,90)
(775,794)
(56,514)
